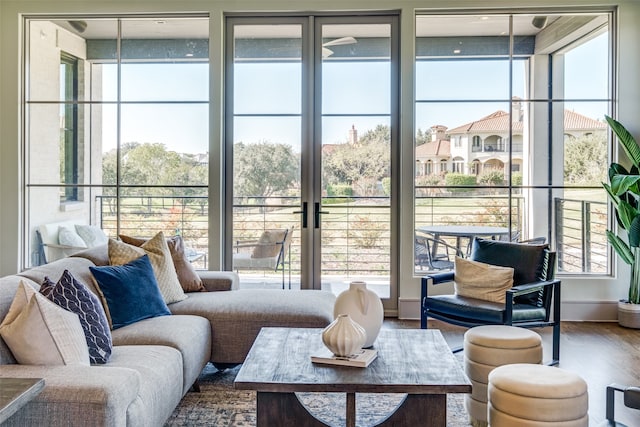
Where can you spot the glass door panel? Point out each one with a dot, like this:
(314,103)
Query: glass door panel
(355,184)
(310,137)
(266,128)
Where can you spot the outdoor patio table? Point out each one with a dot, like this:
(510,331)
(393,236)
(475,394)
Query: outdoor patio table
(461,232)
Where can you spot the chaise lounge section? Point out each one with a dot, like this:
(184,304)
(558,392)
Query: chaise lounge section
(155,361)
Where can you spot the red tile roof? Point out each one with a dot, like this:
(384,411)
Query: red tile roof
(499,122)
(437,148)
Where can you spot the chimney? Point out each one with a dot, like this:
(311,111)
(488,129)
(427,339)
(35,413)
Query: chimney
(437,132)
(516,110)
(353,135)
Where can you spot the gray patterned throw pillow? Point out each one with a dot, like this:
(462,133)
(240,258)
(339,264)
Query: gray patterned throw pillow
(75,297)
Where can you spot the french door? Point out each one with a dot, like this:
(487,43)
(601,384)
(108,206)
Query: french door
(311,128)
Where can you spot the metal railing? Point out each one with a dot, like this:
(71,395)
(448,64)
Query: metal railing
(580,237)
(356,231)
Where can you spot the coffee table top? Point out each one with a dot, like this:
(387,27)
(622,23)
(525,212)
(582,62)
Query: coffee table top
(415,361)
(17,392)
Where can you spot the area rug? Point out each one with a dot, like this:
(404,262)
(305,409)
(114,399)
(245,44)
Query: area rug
(219,404)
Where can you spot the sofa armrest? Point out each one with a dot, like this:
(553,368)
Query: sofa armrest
(219,280)
(102,394)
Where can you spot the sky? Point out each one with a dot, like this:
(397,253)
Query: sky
(348,88)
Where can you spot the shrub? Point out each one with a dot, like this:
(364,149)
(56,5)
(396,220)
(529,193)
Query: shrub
(366,232)
(455,179)
(492,177)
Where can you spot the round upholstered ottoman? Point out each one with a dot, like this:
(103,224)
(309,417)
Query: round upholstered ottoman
(486,347)
(527,395)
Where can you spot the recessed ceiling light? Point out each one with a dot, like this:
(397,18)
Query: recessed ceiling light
(484,18)
(189,55)
(456,51)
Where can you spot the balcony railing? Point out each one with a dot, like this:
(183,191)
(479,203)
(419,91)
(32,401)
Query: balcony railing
(580,237)
(356,230)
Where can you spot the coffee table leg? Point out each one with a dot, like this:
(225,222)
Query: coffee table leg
(283,410)
(419,409)
(351,410)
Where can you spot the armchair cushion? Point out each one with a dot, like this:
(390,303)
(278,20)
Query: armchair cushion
(482,281)
(530,262)
(267,247)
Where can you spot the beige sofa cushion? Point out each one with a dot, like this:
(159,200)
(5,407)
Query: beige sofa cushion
(156,248)
(187,276)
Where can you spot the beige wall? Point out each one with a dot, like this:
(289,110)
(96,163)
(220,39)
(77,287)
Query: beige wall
(582,298)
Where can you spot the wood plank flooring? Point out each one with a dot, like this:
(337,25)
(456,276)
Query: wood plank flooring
(601,353)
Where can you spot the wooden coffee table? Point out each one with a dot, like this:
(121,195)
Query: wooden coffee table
(414,361)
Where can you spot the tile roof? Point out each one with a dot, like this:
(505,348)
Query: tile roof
(576,121)
(437,148)
(499,122)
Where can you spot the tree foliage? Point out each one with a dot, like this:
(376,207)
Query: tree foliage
(264,169)
(152,164)
(362,164)
(585,158)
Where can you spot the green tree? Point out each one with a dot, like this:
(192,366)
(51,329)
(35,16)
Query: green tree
(423,136)
(362,164)
(264,169)
(585,159)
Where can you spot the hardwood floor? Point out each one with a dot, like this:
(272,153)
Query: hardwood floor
(601,353)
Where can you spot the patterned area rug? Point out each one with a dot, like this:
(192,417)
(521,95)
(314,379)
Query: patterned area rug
(219,404)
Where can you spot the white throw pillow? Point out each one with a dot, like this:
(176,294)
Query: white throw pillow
(43,333)
(478,280)
(69,237)
(92,235)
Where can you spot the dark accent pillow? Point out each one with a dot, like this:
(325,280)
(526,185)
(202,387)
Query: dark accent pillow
(75,297)
(528,261)
(131,292)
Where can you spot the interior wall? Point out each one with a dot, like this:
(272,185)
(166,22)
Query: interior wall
(583,298)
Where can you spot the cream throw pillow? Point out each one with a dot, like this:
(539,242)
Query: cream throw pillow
(38,332)
(267,247)
(478,280)
(160,257)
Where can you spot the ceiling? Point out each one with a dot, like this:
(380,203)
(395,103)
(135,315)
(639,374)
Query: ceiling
(426,26)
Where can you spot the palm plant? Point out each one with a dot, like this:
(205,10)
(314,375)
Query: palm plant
(624,192)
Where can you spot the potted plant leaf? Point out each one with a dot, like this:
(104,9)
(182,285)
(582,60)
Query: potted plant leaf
(624,192)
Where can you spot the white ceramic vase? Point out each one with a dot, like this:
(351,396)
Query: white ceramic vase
(343,336)
(364,307)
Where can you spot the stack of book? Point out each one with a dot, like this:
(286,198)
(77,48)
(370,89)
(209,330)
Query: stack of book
(360,359)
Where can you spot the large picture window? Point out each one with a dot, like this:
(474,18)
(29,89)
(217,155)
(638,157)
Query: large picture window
(130,98)
(524,98)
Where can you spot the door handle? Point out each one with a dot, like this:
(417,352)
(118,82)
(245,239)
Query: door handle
(304,214)
(317,212)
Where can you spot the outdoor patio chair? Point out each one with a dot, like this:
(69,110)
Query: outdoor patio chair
(435,254)
(269,252)
(533,300)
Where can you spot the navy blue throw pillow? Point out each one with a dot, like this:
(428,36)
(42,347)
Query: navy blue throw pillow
(75,297)
(131,292)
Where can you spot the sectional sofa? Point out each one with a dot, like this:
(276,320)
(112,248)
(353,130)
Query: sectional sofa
(155,361)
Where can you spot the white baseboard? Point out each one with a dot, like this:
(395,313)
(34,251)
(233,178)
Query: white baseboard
(585,311)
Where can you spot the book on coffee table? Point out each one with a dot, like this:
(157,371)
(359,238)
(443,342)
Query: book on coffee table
(360,359)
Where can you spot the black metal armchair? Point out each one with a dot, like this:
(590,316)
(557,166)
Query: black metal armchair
(533,301)
(631,396)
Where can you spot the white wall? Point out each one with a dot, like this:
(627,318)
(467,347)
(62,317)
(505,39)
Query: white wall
(582,298)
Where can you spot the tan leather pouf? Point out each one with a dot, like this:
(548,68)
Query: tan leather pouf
(485,348)
(528,395)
